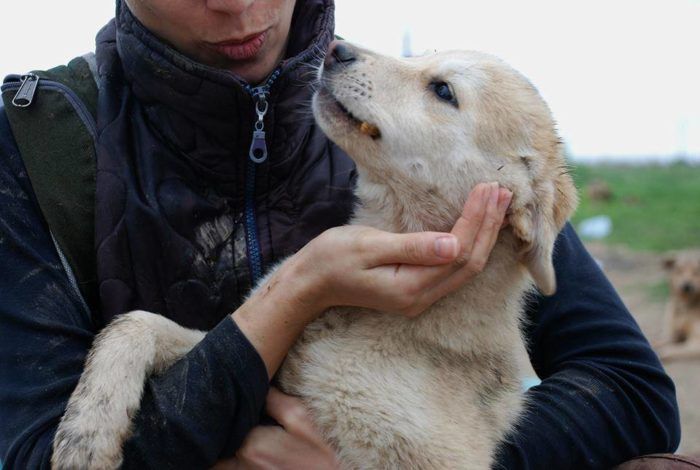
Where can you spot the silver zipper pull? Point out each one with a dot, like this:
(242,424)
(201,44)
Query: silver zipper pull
(25,94)
(258,146)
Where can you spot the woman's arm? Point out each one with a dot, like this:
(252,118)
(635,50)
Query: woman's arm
(604,397)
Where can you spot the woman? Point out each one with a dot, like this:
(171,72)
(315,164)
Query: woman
(193,205)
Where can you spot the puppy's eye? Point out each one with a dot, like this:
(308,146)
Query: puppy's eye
(443,91)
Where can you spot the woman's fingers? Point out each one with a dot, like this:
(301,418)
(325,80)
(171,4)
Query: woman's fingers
(297,444)
(430,248)
(400,272)
(483,246)
(468,226)
(490,227)
(291,413)
(420,248)
(273,447)
(417,287)
(255,453)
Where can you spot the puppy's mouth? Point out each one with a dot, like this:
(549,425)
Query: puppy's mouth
(362,126)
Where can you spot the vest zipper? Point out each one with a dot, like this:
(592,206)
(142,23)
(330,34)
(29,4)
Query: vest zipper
(258,145)
(257,154)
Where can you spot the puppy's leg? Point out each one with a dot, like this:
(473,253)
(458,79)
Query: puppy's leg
(673,352)
(672,328)
(98,417)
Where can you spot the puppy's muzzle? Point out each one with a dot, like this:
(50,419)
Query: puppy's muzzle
(687,288)
(340,53)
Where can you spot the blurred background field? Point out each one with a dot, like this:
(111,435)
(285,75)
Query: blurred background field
(652,207)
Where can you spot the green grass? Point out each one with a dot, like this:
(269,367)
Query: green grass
(655,208)
(658,292)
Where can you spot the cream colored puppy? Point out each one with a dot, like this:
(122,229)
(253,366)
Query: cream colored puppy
(437,391)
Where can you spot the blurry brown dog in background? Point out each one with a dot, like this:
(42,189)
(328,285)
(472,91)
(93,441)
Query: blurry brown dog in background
(681,338)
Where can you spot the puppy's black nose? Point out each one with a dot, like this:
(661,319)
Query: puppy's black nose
(687,288)
(339,52)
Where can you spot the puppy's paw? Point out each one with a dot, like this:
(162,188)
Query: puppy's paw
(84,449)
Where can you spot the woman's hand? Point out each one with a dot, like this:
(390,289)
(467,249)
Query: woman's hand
(296,445)
(403,273)
(365,267)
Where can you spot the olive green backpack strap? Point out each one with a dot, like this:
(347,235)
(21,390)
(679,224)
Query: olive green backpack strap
(52,116)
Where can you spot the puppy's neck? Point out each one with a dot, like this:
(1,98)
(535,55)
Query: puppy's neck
(401,207)
(687,305)
(487,304)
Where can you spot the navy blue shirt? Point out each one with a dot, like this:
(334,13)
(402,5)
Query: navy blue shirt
(604,396)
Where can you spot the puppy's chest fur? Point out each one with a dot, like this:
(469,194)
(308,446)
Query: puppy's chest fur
(437,391)
(685,320)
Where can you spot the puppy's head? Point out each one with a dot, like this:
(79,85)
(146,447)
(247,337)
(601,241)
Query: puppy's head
(433,127)
(684,269)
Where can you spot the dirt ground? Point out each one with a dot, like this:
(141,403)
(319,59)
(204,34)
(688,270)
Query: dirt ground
(639,278)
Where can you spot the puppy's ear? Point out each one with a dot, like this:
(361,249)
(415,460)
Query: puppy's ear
(537,225)
(669,263)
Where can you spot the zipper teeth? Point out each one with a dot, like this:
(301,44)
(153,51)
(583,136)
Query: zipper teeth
(251,225)
(254,252)
(265,87)
(71,277)
(79,106)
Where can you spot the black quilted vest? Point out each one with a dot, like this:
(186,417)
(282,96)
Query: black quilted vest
(186,221)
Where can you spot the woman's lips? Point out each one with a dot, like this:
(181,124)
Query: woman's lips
(241,50)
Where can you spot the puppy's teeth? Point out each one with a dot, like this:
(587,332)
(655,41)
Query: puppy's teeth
(369,129)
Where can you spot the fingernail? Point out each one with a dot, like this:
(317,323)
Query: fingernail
(446,247)
(493,196)
(505,202)
(484,192)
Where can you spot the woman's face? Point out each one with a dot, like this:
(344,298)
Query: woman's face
(247,37)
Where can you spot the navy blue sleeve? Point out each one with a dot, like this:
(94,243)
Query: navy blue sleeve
(604,396)
(203,406)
